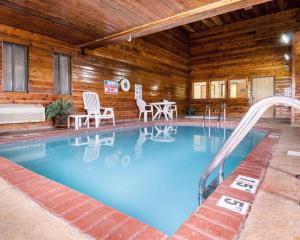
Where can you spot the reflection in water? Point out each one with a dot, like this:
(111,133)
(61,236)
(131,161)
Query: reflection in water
(164,134)
(210,141)
(92,145)
(23,153)
(92,150)
(117,159)
(144,135)
(78,141)
(200,143)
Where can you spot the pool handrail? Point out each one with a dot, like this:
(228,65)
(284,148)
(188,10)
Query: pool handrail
(222,109)
(245,125)
(207,109)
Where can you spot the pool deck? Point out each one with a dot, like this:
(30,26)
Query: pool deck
(84,218)
(275,212)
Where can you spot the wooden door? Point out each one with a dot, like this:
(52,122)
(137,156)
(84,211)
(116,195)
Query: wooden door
(263,87)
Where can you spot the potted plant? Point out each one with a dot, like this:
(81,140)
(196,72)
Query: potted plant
(59,111)
(191,111)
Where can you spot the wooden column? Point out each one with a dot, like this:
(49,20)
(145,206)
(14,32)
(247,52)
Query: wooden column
(295,117)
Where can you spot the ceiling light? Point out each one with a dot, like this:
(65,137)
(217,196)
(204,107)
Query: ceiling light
(285,38)
(287,57)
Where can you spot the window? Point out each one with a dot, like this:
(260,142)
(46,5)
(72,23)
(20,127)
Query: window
(233,90)
(15,68)
(238,88)
(217,89)
(199,90)
(62,73)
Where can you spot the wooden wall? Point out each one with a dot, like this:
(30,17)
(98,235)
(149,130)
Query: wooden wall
(296,77)
(165,63)
(245,49)
(159,62)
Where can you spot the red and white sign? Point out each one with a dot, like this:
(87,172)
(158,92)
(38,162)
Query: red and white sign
(110,87)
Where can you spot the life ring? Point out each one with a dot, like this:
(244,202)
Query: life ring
(125,85)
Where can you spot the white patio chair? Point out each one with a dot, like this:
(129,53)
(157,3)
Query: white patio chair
(94,110)
(172,108)
(144,109)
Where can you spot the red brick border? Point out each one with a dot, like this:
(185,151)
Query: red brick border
(102,222)
(213,222)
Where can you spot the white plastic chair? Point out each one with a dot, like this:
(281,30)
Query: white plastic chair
(171,108)
(94,110)
(144,109)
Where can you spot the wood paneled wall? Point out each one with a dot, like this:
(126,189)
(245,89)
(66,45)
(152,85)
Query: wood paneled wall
(158,62)
(296,77)
(165,63)
(245,49)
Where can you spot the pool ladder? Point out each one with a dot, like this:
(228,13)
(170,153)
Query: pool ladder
(207,110)
(242,129)
(221,109)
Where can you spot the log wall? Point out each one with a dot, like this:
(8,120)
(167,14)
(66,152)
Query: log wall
(244,50)
(163,71)
(295,118)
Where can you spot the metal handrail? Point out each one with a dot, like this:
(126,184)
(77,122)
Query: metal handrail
(242,129)
(222,107)
(207,108)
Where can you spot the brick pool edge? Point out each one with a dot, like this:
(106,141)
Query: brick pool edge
(100,221)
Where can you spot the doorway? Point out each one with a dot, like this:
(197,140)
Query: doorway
(263,87)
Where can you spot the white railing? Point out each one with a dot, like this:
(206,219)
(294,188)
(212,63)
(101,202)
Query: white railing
(242,129)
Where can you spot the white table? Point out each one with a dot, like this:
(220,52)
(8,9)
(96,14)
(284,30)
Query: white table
(78,120)
(162,108)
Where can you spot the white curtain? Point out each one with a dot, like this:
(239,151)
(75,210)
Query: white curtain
(14,67)
(62,73)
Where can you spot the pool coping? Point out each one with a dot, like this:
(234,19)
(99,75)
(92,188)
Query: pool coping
(100,221)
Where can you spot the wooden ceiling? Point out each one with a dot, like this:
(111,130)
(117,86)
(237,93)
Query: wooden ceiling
(240,15)
(92,23)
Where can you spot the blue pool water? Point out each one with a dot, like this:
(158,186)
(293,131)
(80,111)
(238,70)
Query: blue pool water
(150,173)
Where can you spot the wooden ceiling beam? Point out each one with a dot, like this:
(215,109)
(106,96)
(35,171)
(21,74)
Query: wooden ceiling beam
(226,18)
(188,28)
(257,11)
(281,5)
(196,14)
(217,20)
(208,23)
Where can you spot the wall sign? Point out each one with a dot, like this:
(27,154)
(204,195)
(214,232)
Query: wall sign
(138,91)
(246,184)
(233,204)
(110,87)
